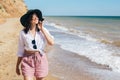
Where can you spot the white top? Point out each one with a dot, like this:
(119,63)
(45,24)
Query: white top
(25,42)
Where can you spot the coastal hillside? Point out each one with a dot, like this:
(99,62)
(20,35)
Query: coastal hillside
(11,8)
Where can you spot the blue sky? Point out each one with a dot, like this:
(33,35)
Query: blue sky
(76,7)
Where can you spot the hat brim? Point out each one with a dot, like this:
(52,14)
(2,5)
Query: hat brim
(24,18)
(38,12)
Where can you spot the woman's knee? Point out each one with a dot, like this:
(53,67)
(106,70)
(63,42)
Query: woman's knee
(28,78)
(39,78)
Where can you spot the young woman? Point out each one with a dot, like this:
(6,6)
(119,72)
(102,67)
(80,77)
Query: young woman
(32,40)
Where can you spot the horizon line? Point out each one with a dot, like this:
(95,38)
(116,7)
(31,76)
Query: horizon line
(86,15)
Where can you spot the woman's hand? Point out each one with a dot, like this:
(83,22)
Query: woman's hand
(40,25)
(49,39)
(17,70)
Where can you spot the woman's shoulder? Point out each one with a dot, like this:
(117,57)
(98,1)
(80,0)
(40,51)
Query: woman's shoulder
(22,32)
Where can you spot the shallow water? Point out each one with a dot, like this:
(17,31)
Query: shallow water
(96,38)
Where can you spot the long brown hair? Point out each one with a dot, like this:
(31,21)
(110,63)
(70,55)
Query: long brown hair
(28,24)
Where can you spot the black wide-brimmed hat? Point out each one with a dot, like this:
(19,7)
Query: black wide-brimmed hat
(25,17)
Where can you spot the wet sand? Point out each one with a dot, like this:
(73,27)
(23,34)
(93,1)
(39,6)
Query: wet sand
(67,65)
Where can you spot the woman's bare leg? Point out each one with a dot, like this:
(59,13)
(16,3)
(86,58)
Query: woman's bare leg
(28,78)
(39,78)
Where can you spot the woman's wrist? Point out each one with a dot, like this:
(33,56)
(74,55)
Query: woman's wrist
(17,66)
(42,29)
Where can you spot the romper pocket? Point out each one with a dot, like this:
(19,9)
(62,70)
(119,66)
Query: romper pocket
(27,61)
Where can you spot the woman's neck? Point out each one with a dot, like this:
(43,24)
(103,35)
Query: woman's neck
(33,27)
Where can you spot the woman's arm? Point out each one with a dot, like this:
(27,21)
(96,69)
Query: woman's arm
(20,52)
(49,38)
(17,65)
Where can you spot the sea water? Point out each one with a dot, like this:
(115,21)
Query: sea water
(95,37)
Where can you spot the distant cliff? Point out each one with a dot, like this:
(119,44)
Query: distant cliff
(11,8)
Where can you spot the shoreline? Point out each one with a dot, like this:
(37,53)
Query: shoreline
(68,64)
(85,63)
(63,64)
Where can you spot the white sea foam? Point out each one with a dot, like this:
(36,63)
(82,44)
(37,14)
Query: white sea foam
(57,26)
(88,46)
(72,31)
(96,52)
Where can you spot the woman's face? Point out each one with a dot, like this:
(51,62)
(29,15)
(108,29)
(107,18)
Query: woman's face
(34,19)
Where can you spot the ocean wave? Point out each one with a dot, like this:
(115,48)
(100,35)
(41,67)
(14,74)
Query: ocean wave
(116,43)
(57,26)
(87,35)
(72,31)
(94,45)
(111,42)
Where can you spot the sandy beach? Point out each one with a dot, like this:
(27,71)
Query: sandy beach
(8,46)
(60,60)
